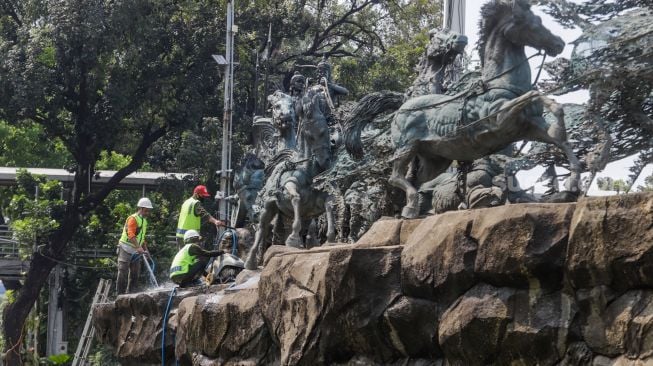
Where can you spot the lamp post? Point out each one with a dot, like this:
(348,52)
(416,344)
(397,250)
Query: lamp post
(228,63)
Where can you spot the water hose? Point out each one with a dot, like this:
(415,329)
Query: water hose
(165,325)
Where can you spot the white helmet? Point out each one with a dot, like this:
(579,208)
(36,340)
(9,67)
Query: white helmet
(144,202)
(191,234)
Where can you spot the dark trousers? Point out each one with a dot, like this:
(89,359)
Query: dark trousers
(194,272)
(128,272)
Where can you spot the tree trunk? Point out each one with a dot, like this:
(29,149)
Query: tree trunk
(16,313)
(40,267)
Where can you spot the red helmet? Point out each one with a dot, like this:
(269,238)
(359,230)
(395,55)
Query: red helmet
(201,191)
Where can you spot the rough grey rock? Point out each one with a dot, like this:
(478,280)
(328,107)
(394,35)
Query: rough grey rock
(501,325)
(328,306)
(132,324)
(611,242)
(233,320)
(514,245)
(533,284)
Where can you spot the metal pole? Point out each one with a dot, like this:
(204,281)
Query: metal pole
(256,112)
(266,59)
(226,121)
(453,16)
(55,315)
(453,19)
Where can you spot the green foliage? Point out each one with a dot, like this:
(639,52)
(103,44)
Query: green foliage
(103,357)
(609,184)
(648,185)
(10,296)
(27,145)
(60,359)
(111,160)
(393,70)
(32,218)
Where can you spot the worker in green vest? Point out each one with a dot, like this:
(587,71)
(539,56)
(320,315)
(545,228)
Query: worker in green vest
(192,213)
(132,246)
(190,261)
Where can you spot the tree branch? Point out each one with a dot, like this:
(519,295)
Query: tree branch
(11,11)
(137,160)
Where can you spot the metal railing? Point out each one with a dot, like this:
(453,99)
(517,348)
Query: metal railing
(8,245)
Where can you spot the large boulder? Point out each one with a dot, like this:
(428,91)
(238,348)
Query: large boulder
(384,232)
(132,325)
(501,325)
(438,258)
(472,329)
(515,245)
(225,328)
(522,244)
(611,242)
(328,306)
(412,327)
(623,326)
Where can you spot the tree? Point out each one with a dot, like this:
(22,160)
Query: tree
(130,76)
(100,76)
(612,60)
(648,185)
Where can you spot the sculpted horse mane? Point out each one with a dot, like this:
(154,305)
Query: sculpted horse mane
(490,17)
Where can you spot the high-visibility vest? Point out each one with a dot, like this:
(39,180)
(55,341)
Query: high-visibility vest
(187,219)
(141,229)
(182,262)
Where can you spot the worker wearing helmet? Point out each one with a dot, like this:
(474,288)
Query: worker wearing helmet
(131,245)
(192,213)
(189,263)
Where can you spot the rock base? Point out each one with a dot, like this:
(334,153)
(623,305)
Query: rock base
(528,284)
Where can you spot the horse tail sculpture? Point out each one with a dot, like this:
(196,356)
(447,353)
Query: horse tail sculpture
(366,110)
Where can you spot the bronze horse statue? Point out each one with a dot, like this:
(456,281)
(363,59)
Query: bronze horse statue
(476,122)
(248,181)
(288,189)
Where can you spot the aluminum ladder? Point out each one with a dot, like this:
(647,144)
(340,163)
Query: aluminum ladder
(86,340)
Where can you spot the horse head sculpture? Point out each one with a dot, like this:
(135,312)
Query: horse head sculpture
(284,118)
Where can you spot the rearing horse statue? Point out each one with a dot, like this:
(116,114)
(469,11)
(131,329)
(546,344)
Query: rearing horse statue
(438,129)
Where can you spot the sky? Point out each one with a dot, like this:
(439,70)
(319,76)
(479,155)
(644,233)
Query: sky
(615,170)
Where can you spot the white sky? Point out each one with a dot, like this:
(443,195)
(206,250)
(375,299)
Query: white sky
(617,169)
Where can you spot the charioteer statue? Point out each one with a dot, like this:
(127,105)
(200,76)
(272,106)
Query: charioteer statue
(324,79)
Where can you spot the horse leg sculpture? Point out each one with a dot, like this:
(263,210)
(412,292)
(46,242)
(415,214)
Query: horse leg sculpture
(331,227)
(398,179)
(268,212)
(556,134)
(513,108)
(310,233)
(295,238)
(559,133)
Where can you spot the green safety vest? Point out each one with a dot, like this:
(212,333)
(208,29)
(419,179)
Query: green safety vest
(182,262)
(141,229)
(187,219)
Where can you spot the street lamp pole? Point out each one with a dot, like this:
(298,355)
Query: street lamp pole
(225,171)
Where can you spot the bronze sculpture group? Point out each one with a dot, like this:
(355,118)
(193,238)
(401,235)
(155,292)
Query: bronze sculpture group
(430,127)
